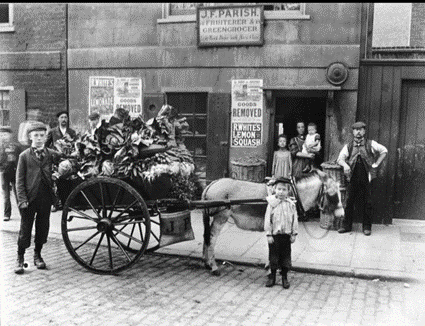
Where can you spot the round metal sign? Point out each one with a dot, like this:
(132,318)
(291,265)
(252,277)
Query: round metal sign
(337,73)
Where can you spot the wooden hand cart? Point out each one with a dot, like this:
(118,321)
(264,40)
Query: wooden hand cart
(108,223)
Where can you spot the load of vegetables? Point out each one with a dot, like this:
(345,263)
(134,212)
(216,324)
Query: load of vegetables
(143,152)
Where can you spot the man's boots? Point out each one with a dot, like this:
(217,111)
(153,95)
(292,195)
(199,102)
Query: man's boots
(38,261)
(285,282)
(19,269)
(271,279)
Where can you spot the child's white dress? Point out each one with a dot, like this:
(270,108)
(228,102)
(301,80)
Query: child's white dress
(309,142)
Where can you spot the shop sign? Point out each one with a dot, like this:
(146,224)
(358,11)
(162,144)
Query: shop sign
(247,113)
(108,93)
(230,26)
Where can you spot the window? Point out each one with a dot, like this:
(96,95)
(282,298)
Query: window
(4,108)
(193,106)
(6,17)
(391,24)
(186,12)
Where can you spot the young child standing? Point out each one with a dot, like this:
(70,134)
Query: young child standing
(35,195)
(312,143)
(281,226)
(282,161)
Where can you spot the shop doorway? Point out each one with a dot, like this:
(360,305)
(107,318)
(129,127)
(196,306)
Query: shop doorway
(290,110)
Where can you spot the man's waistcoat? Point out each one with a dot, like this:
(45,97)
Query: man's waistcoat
(366,154)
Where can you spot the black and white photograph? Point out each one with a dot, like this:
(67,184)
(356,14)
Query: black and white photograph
(204,164)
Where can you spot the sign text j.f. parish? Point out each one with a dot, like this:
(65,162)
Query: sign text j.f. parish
(229,26)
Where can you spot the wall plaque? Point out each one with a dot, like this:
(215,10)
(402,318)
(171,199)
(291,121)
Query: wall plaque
(230,26)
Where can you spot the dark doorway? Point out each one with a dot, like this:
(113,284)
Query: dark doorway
(290,110)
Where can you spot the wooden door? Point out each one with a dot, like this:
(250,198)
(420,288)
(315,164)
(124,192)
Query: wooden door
(410,174)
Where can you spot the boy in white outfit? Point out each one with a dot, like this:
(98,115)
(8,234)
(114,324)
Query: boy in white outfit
(281,226)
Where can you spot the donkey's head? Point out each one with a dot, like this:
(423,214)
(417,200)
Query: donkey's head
(331,195)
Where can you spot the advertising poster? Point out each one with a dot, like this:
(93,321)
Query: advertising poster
(128,95)
(101,96)
(247,113)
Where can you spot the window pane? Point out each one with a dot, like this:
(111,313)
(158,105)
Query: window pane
(6,100)
(200,126)
(4,13)
(201,167)
(197,146)
(280,6)
(187,8)
(6,119)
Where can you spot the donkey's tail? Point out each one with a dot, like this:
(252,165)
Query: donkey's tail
(206,216)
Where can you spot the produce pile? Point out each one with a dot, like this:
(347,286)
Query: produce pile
(131,148)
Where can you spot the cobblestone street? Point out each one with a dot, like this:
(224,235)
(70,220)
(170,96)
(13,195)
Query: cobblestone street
(167,290)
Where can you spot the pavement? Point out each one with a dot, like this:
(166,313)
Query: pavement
(392,252)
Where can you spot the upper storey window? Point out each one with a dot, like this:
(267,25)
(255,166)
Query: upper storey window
(186,11)
(6,17)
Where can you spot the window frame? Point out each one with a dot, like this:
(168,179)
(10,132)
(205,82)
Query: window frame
(8,89)
(8,27)
(268,15)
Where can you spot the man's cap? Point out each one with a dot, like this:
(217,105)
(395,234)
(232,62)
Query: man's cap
(36,126)
(281,180)
(5,129)
(358,125)
(94,116)
(62,112)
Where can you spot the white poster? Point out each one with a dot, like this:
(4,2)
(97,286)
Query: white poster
(128,95)
(247,113)
(101,96)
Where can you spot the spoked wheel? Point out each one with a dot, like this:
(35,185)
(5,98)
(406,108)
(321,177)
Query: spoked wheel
(103,218)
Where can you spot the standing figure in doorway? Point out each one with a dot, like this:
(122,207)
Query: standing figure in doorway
(282,161)
(299,159)
(312,144)
(360,159)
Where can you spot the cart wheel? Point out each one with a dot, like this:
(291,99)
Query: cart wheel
(102,219)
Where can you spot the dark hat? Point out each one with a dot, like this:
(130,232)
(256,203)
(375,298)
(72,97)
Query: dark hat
(358,125)
(94,116)
(62,112)
(35,126)
(5,129)
(281,180)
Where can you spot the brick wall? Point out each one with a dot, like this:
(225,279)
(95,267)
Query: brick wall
(417,33)
(34,56)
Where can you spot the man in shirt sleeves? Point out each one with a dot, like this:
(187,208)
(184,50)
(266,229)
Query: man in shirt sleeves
(360,159)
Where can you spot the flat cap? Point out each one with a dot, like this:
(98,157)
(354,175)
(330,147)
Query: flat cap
(358,125)
(94,116)
(5,129)
(281,180)
(62,112)
(36,126)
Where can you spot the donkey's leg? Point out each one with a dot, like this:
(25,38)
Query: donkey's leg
(217,225)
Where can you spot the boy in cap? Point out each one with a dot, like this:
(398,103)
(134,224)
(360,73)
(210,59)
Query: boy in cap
(360,159)
(281,226)
(9,153)
(35,196)
(62,130)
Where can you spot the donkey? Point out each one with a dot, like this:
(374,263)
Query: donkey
(314,189)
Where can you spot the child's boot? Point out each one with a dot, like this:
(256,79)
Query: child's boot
(271,279)
(19,269)
(285,282)
(38,261)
